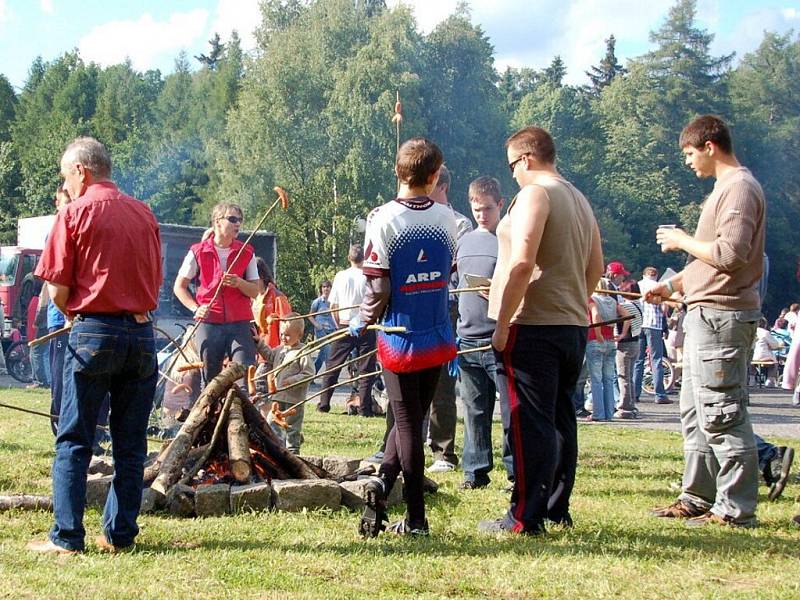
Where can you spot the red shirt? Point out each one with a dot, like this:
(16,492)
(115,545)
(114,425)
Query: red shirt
(105,247)
(606,330)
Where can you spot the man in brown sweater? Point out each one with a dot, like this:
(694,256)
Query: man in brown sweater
(720,478)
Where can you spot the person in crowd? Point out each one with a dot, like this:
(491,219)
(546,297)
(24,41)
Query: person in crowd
(764,347)
(270,302)
(38,354)
(224,317)
(791,315)
(298,369)
(781,318)
(791,368)
(348,290)
(443,414)
(601,352)
(102,265)
(627,336)
(720,478)
(652,341)
(541,328)
(410,247)
(323,324)
(674,343)
(476,254)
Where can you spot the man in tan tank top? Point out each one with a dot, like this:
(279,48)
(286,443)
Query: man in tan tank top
(549,259)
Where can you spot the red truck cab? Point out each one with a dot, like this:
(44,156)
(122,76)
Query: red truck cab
(16,280)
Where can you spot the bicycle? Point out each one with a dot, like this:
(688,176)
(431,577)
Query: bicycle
(18,362)
(647,378)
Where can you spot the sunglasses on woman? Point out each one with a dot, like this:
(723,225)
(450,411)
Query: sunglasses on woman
(233,219)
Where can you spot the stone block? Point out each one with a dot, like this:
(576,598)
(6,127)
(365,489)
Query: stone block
(152,501)
(180,500)
(294,495)
(101,465)
(212,500)
(97,488)
(253,497)
(340,466)
(313,460)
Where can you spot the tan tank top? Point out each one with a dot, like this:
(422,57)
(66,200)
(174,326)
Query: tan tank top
(557,292)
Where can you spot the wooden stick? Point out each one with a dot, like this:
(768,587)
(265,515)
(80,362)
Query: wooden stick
(321,373)
(329,339)
(330,387)
(480,288)
(25,502)
(636,296)
(478,349)
(319,312)
(47,337)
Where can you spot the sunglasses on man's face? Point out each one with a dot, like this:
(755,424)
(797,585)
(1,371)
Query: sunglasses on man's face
(233,219)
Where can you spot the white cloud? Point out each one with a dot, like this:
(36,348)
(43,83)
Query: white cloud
(242,15)
(47,7)
(144,40)
(5,13)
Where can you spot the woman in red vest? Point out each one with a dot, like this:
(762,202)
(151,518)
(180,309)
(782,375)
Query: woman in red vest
(224,329)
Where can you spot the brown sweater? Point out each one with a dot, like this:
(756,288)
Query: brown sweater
(733,219)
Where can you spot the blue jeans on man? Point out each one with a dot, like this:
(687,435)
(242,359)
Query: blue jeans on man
(478,390)
(322,356)
(104,354)
(653,339)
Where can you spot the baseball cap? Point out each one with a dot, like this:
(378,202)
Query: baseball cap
(616,268)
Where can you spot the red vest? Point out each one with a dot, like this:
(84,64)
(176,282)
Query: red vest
(231,305)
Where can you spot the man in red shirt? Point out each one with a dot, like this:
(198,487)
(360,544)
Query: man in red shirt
(102,264)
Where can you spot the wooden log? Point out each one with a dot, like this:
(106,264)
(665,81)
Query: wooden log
(25,502)
(238,442)
(175,458)
(294,466)
(221,424)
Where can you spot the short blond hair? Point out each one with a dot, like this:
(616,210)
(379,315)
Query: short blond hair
(297,325)
(220,209)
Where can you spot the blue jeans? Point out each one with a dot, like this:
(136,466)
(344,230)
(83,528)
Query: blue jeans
(39,364)
(579,396)
(322,357)
(653,339)
(601,359)
(104,354)
(477,374)
(766,452)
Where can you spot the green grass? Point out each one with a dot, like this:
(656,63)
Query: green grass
(615,549)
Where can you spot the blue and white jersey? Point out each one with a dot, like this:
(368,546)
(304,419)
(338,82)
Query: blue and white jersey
(413,241)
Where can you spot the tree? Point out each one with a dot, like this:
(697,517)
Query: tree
(604,73)
(216,53)
(555,72)
(463,107)
(8,102)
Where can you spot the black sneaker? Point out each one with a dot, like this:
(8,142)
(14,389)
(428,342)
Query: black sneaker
(500,526)
(582,413)
(324,408)
(563,521)
(373,518)
(403,527)
(779,467)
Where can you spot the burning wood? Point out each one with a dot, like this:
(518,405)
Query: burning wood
(224,440)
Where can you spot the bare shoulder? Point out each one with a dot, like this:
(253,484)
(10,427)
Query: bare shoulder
(532,198)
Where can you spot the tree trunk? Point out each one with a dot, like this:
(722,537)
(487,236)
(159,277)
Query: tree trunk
(175,458)
(238,443)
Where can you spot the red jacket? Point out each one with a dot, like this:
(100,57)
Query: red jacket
(231,305)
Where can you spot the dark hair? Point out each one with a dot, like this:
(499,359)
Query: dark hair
(536,142)
(355,254)
(325,282)
(485,186)
(417,160)
(264,271)
(91,154)
(708,128)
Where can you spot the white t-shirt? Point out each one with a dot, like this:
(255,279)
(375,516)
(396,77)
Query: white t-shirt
(348,289)
(764,345)
(791,319)
(189,267)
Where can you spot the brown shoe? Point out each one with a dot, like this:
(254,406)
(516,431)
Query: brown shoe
(678,510)
(711,518)
(48,547)
(105,546)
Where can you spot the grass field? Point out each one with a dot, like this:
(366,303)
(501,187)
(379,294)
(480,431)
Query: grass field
(615,549)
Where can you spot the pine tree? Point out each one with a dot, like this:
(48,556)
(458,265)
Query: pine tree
(604,73)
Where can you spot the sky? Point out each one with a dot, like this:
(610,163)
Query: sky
(151,33)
